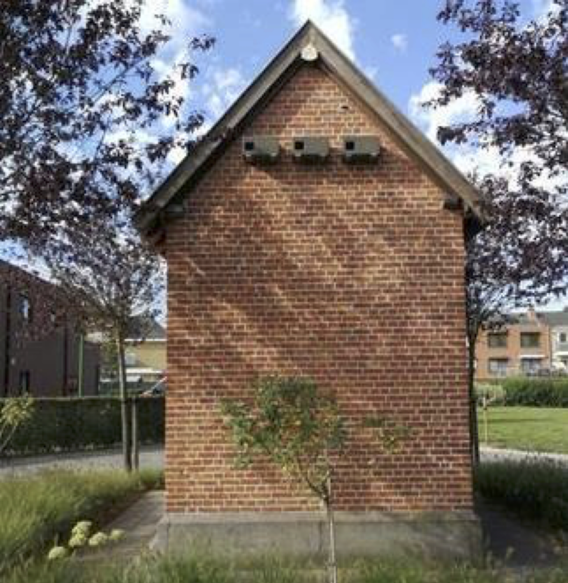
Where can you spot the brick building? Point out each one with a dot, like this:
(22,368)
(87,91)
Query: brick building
(344,265)
(40,354)
(145,353)
(532,343)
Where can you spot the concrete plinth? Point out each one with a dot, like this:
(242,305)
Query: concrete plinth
(304,535)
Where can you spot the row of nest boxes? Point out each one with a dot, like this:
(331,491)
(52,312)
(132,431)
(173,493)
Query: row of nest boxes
(266,149)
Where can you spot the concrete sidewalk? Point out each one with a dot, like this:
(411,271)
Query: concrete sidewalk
(515,544)
(139,523)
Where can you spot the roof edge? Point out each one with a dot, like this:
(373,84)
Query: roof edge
(415,144)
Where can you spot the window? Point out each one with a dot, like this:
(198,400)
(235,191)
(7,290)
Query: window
(24,384)
(497,340)
(531,365)
(130,359)
(530,339)
(25,309)
(562,337)
(498,366)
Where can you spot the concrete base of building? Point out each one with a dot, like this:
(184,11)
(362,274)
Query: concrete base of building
(304,535)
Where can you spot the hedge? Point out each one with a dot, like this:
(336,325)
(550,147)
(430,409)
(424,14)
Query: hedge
(536,392)
(83,423)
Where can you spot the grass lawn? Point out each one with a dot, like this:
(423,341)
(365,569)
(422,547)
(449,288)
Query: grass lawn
(35,510)
(526,428)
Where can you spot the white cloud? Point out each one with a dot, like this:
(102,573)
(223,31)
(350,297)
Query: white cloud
(184,18)
(185,23)
(466,158)
(331,16)
(542,7)
(399,42)
(221,88)
(430,120)
(371,72)
(469,159)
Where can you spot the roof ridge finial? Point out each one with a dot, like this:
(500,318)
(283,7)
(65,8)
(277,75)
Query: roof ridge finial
(310,53)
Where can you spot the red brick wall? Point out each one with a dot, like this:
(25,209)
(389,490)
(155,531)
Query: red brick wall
(350,275)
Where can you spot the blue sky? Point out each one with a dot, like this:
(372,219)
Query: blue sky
(392,41)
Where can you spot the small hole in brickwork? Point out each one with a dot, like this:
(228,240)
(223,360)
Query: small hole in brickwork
(350,145)
(298,145)
(249,146)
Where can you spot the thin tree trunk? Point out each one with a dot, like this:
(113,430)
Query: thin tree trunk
(332,561)
(135,441)
(123,404)
(472,401)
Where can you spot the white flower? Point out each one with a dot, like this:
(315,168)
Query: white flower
(78,539)
(57,553)
(98,539)
(83,527)
(116,534)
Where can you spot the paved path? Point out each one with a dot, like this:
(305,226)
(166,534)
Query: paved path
(517,545)
(139,523)
(153,457)
(494,453)
(150,457)
(508,542)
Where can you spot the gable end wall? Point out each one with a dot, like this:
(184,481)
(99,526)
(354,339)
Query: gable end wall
(352,275)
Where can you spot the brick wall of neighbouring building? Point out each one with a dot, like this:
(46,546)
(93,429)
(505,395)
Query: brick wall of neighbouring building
(522,346)
(352,275)
(39,345)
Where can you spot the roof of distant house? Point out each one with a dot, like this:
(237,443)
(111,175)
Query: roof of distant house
(142,328)
(556,318)
(546,317)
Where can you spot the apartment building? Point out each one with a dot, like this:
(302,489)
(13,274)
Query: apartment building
(533,343)
(41,352)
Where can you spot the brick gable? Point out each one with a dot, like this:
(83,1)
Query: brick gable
(352,275)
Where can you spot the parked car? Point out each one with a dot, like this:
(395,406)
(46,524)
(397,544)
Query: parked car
(158,390)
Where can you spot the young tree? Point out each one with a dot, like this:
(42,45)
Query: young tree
(82,105)
(516,70)
(14,414)
(111,277)
(297,428)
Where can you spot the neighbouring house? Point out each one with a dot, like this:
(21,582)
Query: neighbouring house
(530,344)
(558,339)
(145,353)
(315,231)
(41,352)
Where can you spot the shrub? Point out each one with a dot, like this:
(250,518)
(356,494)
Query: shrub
(494,393)
(14,414)
(67,424)
(536,392)
(531,487)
